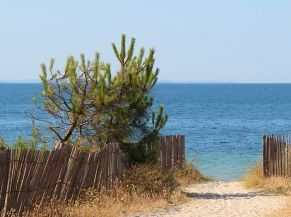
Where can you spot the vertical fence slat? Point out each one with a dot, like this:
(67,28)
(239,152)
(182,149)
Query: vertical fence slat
(276,155)
(172,151)
(30,178)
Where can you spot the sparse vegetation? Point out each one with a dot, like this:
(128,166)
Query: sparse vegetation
(3,144)
(143,188)
(278,185)
(255,179)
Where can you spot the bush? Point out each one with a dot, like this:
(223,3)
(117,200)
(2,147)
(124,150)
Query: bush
(148,179)
(188,174)
(140,153)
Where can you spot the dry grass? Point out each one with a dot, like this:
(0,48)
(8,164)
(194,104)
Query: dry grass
(279,185)
(144,188)
(255,179)
(188,174)
(121,203)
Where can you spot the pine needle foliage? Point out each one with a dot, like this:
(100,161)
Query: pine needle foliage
(90,106)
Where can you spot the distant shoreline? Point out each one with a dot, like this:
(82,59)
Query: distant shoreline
(167,82)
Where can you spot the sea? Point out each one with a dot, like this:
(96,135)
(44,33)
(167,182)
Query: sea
(223,123)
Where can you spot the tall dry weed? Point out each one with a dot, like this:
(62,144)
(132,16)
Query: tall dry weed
(144,187)
(256,179)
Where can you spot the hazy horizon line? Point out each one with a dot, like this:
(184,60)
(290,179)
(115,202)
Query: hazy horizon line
(28,81)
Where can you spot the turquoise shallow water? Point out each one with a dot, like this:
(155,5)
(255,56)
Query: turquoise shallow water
(223,123)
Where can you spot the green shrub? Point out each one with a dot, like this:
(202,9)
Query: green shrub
(141,152)
(3,145)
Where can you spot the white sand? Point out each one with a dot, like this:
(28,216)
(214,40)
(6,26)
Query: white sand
(224,199)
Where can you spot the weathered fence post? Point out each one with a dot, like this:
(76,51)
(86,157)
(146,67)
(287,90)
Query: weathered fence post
(172,151)
(276,149)
(33,177)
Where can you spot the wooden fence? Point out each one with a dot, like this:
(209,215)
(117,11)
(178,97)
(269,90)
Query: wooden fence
(33,177)
(277,155)
(172,151)
(29,177)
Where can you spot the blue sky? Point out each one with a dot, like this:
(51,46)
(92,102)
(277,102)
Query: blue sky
(241,41)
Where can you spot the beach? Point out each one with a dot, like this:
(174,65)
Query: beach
(220,199)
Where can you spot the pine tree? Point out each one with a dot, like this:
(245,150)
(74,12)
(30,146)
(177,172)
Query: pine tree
(87,106)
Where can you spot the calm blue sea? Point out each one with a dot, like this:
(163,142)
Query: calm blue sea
(223,123)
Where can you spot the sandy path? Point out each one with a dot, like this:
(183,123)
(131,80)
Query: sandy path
(224,199)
